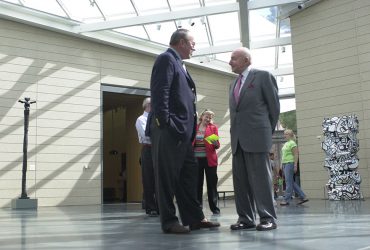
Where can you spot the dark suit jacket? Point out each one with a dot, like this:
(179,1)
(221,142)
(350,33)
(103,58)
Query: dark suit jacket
(173,96)
(254,118)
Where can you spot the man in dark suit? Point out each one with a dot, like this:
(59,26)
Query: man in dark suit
(172,129)
(254,112)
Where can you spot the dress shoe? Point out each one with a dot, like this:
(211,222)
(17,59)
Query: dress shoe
(176,229)
(153,213)
(266,225)
(241,226)
(216,212)
(204,224)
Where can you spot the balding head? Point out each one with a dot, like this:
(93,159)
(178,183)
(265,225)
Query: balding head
(240,60)
(146,104)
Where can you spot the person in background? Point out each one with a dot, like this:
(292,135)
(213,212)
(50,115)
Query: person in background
(297,176)
(289,166)
(254,112)
(172,129)
(205,152)
(275,174)
(147,170)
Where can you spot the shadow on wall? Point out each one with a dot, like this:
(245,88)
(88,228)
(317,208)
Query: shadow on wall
(20,87)
(40,70)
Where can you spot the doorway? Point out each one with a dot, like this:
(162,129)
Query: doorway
(121,149)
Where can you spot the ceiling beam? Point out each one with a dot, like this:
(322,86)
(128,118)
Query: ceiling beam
(216,49)
(260,4)
(157,18)
(287,96)
(282,71)
(304,5)
(282,41)
(244,23)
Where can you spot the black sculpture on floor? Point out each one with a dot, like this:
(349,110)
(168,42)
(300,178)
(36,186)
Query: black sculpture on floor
(27,103)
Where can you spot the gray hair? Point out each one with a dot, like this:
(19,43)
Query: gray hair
(146,102)
(178,35)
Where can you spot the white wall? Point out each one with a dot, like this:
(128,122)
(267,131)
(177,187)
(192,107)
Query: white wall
(64,75)
(331,53)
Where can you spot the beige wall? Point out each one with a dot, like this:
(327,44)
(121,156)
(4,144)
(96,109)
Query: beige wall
(64,75)
(331,53)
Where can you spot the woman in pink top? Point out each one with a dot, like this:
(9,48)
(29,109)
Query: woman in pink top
(205,152)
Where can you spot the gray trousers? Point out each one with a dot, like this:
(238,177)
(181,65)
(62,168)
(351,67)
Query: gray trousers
(253,186)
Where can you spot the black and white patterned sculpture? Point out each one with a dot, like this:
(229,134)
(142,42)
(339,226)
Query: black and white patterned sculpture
(341,146)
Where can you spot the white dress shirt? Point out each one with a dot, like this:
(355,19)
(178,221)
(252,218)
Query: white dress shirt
(245,75)
(140,127)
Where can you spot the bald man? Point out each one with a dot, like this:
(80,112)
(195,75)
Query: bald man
(254,112)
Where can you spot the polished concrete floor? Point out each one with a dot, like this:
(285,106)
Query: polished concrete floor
(318,224)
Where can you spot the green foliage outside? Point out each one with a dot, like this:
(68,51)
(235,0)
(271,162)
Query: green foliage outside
(289,120)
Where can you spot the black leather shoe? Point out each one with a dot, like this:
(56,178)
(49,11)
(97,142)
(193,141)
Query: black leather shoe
(266,225)
(216,212)
(153,213)
(204,224)
(241,226)
(176,229)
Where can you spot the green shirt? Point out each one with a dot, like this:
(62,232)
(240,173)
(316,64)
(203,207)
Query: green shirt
(287,153)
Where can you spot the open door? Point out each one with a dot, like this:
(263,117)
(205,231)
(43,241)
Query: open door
(121,149)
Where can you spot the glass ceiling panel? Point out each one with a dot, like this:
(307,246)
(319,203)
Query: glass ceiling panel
(213,30)
(285,56)
(51,7)
(82,10)
(285,28)
(114,9)
(224,28)
(12,1)
(225,57)
(183,4)
(264,24)
(136,31)
(161,33)
(217,2)
(287,105)
(146,7)
(264,58)
(199,31)
(285,84)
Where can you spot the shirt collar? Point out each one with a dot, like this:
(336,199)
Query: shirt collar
(177,54)
(246,72)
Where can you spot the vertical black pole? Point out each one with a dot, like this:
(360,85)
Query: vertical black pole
(27,104)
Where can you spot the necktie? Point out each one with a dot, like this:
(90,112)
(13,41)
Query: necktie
(237,88)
